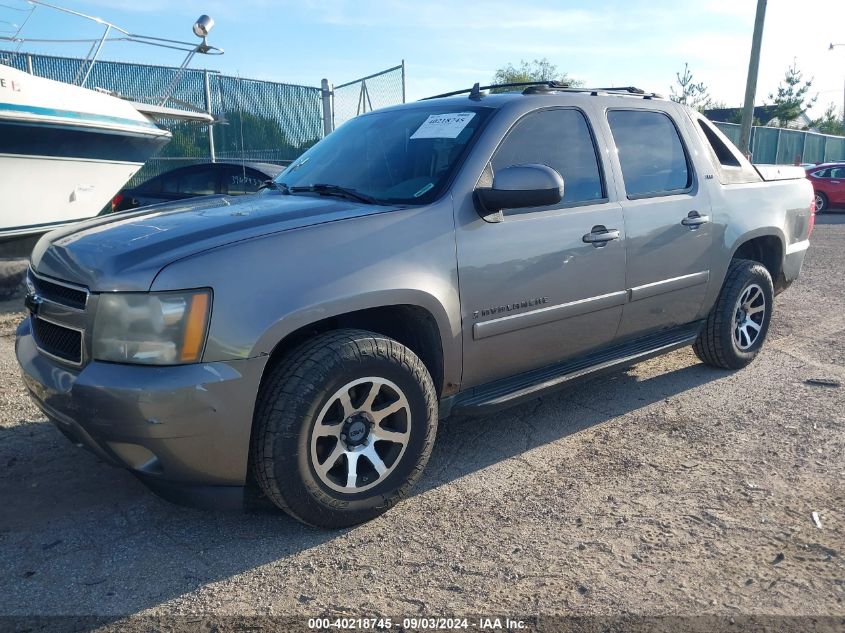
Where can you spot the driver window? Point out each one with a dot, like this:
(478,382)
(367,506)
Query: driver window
(561,139)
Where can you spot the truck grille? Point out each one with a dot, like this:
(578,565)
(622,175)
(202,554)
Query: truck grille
(58,341)
(64,295)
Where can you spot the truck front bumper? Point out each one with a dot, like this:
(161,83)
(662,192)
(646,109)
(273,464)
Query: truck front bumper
(183,430)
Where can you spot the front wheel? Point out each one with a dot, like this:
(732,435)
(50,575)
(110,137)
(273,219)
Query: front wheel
(343,428)
(737,325)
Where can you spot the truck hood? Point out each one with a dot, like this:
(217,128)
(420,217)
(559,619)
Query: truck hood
(125,251)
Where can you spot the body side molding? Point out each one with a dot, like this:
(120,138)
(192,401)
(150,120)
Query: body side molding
(541,316)
(669,285)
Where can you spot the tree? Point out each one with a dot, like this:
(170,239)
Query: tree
(189,140)
(689,93)
(536,70)
(791,100)
(246,131)
(830,122)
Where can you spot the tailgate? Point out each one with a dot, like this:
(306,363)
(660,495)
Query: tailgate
(780,172)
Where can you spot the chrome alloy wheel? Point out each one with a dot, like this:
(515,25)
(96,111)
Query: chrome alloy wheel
(360,435)
(749,314)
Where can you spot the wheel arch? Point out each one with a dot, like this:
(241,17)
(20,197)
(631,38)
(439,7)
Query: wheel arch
(415,326)
(765,248)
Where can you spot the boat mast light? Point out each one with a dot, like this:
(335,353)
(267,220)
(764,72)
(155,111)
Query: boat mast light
(203,26)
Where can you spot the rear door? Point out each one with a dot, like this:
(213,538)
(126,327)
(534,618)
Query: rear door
(667,221)
(533,292)
(837,185)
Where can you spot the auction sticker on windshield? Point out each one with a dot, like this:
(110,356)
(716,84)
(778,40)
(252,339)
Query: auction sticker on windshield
(443,125)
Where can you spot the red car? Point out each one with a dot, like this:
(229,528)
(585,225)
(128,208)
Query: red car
(829,184)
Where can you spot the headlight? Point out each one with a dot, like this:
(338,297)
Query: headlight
(159,328)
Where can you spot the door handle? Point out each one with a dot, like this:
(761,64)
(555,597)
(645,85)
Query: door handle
(694,220)
(600,236)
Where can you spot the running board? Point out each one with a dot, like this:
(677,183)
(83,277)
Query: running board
(508,392)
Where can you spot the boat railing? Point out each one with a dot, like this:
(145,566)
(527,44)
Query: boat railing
(12,31)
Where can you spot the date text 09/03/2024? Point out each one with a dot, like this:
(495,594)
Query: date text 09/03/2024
(417,623)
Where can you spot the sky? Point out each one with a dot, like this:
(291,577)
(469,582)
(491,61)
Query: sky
(448,44)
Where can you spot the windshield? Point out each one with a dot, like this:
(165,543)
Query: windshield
(403,156)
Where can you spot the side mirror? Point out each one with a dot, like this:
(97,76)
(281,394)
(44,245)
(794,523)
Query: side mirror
(518,187)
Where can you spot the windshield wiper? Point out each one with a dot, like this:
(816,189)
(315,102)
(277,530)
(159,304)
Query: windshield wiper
(272,184)
(336,190)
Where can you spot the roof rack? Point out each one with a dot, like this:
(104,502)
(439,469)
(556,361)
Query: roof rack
(539,87)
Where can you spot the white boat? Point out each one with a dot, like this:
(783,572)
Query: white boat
(66,149)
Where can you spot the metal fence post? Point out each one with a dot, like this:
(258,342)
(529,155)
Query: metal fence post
(328,117)
(29,64)
(207,86)
(403,81)
(752,143)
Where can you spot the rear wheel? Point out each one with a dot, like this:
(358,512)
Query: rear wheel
(343,428)
(822,202)
(737,325)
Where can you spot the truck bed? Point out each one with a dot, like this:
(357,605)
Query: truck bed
(780,172)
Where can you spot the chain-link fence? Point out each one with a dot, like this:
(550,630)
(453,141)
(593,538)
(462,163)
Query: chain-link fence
(261,121)
(785,147)
(368,93)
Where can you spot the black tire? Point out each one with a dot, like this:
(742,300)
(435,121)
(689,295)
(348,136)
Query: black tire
(298,393)
(717,343)
(822,203)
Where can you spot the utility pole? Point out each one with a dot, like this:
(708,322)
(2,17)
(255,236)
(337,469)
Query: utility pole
(832,46)
(328,114)
(751,83)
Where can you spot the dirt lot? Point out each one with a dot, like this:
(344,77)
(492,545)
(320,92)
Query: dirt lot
(669,489)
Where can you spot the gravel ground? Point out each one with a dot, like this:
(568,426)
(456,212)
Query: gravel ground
(671,488)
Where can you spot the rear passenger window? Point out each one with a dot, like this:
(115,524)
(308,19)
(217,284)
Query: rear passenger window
(201,182)
(651,154)
(562,140)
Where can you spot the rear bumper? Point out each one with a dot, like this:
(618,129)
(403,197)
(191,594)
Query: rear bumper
(184,430)
(792,262)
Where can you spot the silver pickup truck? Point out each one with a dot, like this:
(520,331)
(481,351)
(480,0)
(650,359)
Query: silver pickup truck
(462,253)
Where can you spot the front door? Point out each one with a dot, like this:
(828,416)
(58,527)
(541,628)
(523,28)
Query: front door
(533,291)
(667,225)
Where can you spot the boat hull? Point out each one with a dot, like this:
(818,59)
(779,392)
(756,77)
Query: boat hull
(50,191)
(60,165)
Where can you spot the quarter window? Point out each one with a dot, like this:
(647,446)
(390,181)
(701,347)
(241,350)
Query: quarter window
(561,140)
(651,154)
(724,154)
